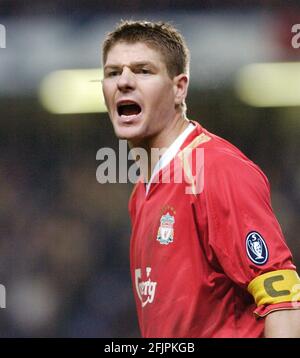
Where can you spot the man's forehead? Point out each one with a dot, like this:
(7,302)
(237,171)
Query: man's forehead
(139,52)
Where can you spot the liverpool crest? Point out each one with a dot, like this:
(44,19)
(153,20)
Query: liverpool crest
(165,234)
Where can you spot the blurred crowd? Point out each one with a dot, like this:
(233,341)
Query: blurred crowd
(64,242)
(91,8)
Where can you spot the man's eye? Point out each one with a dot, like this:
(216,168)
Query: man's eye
(112,74)
(143,71)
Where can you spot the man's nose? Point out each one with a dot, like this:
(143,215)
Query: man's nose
(126,81)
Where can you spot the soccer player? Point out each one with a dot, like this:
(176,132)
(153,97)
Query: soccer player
(208,258)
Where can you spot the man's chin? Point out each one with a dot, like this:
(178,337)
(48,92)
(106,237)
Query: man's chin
(127,134)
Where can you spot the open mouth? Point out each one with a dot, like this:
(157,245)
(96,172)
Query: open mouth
(128,108)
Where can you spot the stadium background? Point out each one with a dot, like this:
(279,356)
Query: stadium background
(64,237)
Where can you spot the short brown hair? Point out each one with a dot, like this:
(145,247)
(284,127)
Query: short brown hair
(159,35)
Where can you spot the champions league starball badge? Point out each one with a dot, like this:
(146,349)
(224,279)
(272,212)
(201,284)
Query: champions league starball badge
(256,247)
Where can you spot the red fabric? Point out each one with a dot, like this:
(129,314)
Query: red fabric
(264,310)
(196,286)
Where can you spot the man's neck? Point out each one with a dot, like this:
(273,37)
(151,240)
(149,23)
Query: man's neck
(161,143)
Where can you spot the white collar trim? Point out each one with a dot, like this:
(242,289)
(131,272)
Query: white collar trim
(170,153)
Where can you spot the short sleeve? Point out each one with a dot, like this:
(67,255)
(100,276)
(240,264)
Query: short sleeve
(243,230)
(243,234)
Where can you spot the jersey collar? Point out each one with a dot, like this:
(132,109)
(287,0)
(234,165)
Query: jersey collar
(170,153)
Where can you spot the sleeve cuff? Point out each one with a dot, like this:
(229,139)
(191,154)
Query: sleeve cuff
(264,310)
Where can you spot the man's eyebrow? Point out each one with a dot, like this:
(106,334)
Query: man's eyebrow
(132,64)
(143,63)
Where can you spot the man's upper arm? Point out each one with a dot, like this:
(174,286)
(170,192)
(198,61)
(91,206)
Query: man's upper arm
(283,324)
(245,234)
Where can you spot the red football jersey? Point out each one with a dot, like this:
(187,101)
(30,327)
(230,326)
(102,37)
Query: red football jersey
(198,244)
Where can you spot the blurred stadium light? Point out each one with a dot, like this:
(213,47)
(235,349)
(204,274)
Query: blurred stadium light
(269,84)
(219,43)
(73,91)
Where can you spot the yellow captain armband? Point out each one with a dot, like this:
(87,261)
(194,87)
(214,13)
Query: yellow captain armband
(275,287)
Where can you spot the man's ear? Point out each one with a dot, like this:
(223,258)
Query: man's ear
(181,83)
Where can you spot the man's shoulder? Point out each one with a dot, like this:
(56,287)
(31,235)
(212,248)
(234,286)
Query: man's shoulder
(226,165)
(215,145)
(221,160)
